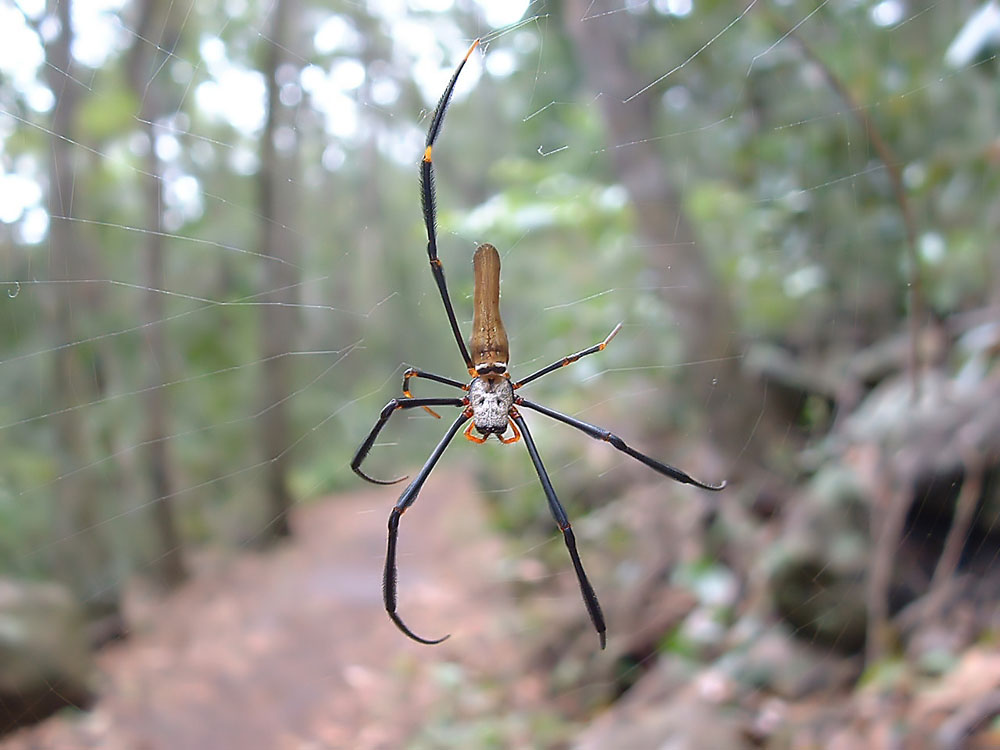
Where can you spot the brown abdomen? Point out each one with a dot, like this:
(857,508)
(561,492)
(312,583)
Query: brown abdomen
(488,344)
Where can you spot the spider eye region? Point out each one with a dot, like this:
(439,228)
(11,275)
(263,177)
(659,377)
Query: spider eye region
(491,397)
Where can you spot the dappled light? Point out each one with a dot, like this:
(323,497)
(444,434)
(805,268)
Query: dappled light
(757,241)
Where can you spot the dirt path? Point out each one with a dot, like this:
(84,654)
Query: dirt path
(293,649)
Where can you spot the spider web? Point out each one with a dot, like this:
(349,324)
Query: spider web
(523,162)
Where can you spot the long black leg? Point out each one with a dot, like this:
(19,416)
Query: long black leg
(589,597)
(570,359)
(601,434)
(387,412)
(413,372)
(427,201)
(405,501)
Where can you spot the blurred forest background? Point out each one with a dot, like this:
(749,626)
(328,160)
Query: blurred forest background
(214,274)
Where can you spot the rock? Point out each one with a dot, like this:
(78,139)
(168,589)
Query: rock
(817,568)
(962,702)
(671,708)
(778,664)
(45,662)
(928,440)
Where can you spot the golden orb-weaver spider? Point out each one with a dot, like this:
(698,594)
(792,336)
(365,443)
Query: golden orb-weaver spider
(491,402)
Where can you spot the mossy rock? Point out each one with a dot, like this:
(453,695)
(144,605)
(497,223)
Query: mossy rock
(45,661)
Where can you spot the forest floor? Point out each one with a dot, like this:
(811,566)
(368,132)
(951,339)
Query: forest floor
(292,648)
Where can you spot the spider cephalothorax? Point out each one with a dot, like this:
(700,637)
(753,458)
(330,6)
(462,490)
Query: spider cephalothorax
(490,398)
(490,403)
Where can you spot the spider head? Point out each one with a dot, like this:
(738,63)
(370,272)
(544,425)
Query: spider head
(491,397)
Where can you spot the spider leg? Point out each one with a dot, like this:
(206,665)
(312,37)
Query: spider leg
(589,597)
(405,501)
(570,359)
(601,434)
(427,201)
(387,411)
(413,372)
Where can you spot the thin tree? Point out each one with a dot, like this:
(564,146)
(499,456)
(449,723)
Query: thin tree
(279,246)
(705,319)
(147,70)
(81,559)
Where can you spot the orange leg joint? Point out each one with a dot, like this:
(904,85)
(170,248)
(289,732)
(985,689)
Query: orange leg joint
(406,392)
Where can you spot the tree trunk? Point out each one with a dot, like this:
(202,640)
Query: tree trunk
(81,559)
(705,320)
(279,322)
(146,70)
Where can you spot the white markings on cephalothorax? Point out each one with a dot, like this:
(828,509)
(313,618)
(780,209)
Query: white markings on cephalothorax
(498,367)
(491,399)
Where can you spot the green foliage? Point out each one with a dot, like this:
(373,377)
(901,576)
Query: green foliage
(23,532)
(107,113)
(788,199)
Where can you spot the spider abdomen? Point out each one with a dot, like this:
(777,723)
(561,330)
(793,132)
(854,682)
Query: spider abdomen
(488,343)
(491,397)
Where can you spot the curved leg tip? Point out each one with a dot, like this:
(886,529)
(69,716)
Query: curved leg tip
(373,480)
(413,636)
(705,485)
(432,642)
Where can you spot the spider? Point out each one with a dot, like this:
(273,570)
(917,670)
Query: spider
(490,402)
